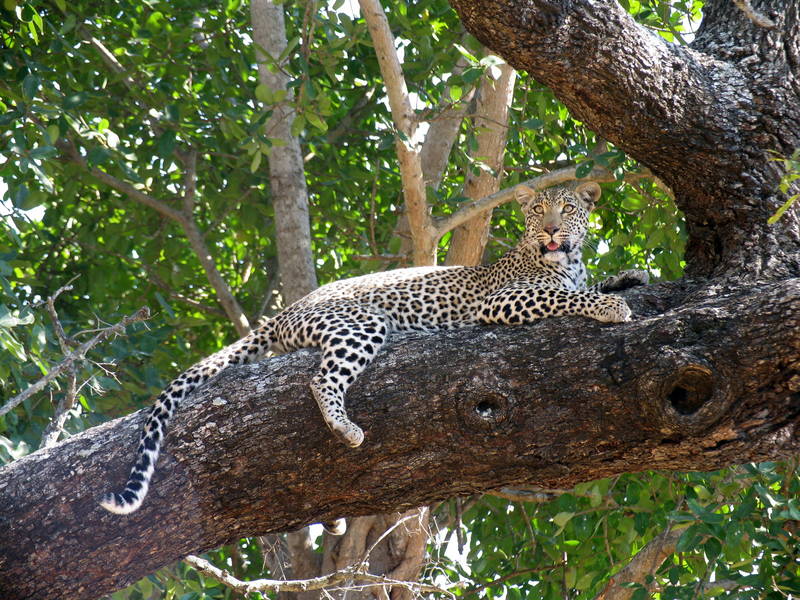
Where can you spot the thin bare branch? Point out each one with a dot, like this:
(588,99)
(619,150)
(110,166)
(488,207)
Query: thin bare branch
(67,401)
(471,209)
(78,354)
(345,576)
(71,153)
(224,294)
(56,425)
(63,340)
(190,183)
(363,562)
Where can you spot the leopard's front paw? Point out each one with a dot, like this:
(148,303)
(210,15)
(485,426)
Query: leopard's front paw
(348,432)
(613,310)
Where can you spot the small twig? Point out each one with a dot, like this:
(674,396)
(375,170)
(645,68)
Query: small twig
(190,183)
(384,257)
(458,525)
(362,563)
(63,341)
(373,245)
(474,590)
(304,585)
(65,404)
(77,354)
(67,401)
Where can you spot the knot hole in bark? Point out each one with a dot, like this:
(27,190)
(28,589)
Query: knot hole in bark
(485,410)
(690,388)
(684,395)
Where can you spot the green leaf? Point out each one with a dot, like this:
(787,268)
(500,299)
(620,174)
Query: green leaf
(784,207)
(43,152)
(74,100)
(290,46)
(316,121)
(53,133)
(583,169)
(166,143)
(97,156)
(255,162)
(466,53)
(264,93)
(712,548)
(297,125)
(640,594)
(562,518)
(688,540)
(703,513)
(30,85)
(532,124)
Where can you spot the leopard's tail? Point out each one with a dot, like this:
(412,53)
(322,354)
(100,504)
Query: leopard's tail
(248,349)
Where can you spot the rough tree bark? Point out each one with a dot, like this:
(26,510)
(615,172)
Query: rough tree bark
(704,377)
(705,118)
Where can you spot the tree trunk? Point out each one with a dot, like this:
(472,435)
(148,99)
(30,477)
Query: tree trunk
(706,376)
(706,118)
(469,240)
(286,174)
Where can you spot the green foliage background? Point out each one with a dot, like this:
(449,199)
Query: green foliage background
(189,83)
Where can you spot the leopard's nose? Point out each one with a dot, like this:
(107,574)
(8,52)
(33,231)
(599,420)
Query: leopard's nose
(551,229)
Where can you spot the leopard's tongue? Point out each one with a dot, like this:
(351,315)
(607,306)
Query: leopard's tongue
(552,246)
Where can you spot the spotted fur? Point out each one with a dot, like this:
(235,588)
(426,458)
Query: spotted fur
(349,320)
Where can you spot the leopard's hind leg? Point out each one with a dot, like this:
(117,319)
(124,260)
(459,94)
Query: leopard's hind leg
(350,342)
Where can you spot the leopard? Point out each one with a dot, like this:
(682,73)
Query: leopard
(349,320)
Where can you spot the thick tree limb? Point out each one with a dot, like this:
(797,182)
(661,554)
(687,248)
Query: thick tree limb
(705,119)
(704,377)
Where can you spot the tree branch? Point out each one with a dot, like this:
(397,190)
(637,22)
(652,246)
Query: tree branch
(78,354)
(185,220)
(645,563)
(451,414)
(349,577)
(287,178)
(702,118)
(494,100)
(470,210)
(423,233)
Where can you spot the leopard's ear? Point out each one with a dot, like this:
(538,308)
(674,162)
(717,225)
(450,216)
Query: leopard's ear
(588,193)
(525,196)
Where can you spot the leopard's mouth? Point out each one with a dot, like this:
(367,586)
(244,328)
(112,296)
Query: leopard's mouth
(554,246)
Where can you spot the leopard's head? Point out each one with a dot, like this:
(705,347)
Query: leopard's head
(557,219)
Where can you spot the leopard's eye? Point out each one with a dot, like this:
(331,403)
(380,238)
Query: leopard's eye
(568,209)
(538,209)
